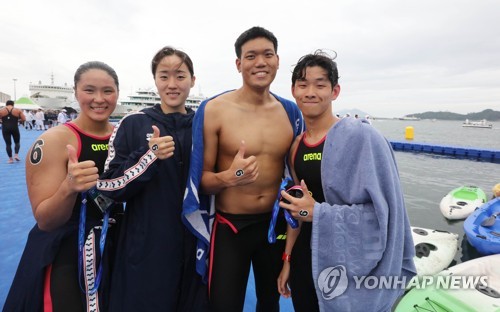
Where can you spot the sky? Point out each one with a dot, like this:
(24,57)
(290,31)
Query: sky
(395,57)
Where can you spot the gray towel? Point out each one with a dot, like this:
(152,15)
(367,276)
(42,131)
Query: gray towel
(362,230)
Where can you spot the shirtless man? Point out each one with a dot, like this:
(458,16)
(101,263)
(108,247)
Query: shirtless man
(247,133)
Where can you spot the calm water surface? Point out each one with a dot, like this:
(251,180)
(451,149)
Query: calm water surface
(427,178)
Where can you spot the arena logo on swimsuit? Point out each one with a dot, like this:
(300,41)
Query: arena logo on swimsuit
(99,147)
(312,156)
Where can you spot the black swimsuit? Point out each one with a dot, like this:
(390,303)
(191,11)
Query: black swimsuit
(10,128)
(65,290)
(307,165)
(238,241)
(48,270)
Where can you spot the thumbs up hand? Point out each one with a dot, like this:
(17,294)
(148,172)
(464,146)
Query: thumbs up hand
(243,170)
(81,175)
(162,146)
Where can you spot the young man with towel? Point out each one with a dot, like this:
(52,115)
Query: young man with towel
(353,220)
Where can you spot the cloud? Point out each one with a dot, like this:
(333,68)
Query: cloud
(395,57)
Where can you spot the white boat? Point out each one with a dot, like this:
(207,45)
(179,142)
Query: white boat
(460,202)
(434,250)
(143,98)
(51,96)
(413,118)
(477,124)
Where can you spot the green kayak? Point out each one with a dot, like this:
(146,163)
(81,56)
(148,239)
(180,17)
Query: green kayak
(478,289)
(431,299)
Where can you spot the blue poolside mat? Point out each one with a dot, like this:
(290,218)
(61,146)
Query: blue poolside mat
(16,220)
(251,300)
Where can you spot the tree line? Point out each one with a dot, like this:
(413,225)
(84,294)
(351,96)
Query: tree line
(488,114)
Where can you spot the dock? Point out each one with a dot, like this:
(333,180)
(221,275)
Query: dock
(447,150)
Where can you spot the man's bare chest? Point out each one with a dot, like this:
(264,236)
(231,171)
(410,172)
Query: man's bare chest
(268,134)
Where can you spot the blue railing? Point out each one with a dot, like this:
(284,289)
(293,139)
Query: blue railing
(446,150)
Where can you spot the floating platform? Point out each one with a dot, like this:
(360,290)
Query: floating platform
(446,150)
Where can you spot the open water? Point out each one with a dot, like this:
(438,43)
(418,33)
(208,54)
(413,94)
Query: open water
(425,178)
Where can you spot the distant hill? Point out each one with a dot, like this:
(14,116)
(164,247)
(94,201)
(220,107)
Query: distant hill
(487,114)
(351,112)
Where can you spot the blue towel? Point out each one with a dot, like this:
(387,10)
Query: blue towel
(198,209)
(362,229)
